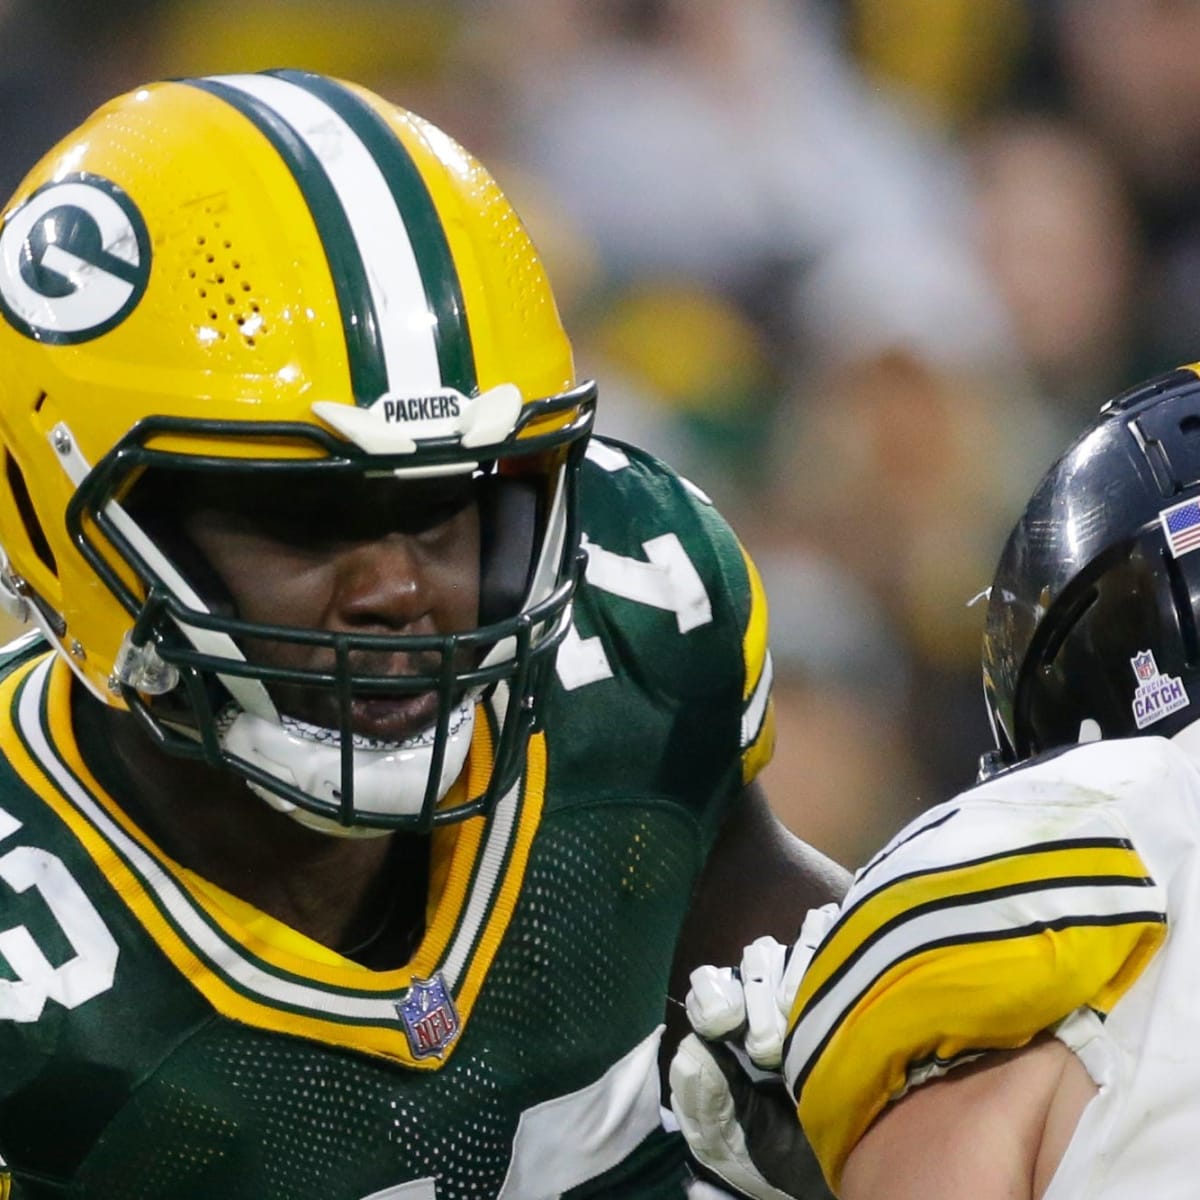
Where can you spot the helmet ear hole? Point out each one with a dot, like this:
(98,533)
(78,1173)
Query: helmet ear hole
(28,514)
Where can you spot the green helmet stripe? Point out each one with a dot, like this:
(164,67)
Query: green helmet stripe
(439,275)
(360,321)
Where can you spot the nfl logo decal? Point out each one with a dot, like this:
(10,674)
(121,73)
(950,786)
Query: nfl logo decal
(1144,667)
(1157,696)
(430,1019)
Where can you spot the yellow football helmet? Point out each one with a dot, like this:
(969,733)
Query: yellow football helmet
(281,271)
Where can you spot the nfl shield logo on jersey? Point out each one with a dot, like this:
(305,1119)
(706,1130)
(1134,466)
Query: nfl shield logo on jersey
(430,1019)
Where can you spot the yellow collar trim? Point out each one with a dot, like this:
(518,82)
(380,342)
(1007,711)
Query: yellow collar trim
(266,951)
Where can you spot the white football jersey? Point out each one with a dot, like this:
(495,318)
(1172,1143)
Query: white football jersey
(1063,895)
(1139,1135)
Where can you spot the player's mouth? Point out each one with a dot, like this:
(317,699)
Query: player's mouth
(393,718)
(401,703)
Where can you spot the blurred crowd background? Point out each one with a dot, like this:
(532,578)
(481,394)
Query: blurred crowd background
(859,268)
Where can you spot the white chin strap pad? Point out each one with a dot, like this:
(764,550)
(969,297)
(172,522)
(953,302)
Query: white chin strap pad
(389,779)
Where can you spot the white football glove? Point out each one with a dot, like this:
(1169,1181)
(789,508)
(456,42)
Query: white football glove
(756,1000)
(743,1133)
(726,1093)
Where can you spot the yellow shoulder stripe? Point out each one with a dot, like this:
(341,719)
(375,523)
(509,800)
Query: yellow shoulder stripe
(954,1000)
(264,975)
(975,956)
(911,895)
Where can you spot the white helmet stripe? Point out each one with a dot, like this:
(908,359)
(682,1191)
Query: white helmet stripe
(385,247)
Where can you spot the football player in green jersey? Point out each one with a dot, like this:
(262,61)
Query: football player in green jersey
(385,753)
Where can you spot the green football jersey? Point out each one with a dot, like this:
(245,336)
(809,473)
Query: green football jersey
(162,1040)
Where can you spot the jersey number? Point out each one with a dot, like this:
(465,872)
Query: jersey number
(667,580)
(93,965)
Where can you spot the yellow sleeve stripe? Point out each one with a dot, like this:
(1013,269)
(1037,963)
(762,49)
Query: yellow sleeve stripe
(951,1000)
(1014,878)
(758,712)
(754,640)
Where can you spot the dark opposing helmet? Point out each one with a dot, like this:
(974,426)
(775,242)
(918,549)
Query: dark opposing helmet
(1092,626)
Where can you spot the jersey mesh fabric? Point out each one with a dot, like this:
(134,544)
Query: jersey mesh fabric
(251,1116)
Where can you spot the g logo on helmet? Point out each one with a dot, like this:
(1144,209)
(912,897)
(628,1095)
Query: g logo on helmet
(74,260)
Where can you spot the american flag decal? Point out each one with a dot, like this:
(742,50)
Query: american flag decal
(1181,524)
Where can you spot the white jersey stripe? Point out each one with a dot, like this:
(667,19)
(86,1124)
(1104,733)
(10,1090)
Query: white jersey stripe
(756,707)
(489,873)
(394,280)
